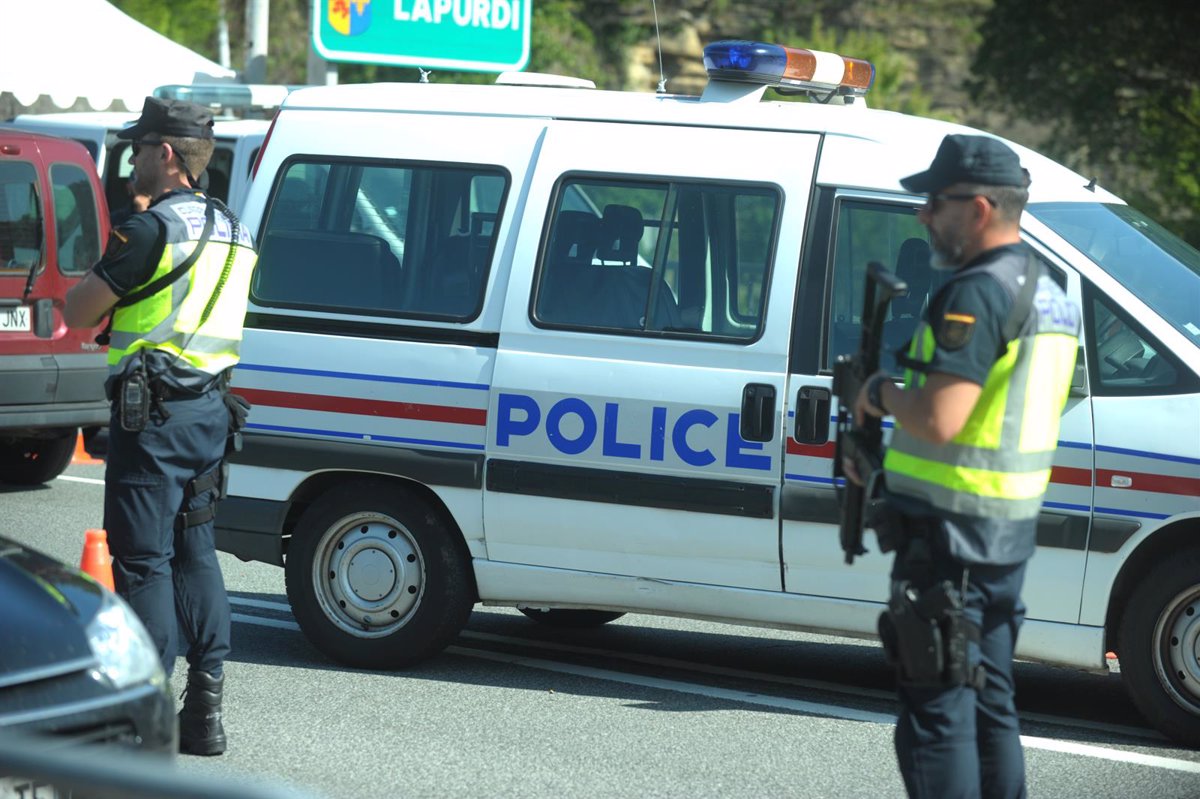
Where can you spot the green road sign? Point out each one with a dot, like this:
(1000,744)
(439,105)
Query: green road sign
(479,35)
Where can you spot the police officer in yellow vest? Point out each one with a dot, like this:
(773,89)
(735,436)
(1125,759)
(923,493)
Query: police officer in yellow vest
(988,371)
(175,279)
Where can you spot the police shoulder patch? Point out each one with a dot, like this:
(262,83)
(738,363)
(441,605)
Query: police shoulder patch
(954,330)
(117,241)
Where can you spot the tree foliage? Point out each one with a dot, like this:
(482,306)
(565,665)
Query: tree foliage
(1118,84)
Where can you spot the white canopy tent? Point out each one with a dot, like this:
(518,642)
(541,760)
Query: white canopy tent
(74,51)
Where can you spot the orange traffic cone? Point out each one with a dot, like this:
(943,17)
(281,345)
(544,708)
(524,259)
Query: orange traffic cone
(96,560)
(81,454)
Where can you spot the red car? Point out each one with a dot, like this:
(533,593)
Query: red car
(53,225)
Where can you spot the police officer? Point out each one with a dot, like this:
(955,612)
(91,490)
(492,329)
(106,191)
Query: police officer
(175,279)
(988,371)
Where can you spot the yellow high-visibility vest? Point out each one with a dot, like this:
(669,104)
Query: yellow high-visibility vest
(998,466)
(170,321)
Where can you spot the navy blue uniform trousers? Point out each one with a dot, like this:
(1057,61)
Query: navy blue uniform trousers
(955,743)
(171,578)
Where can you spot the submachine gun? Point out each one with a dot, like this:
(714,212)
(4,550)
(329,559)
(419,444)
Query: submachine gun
(863,445)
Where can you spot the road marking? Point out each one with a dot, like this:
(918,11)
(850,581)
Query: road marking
(71,479)
(814,708)
(261,622)
(259,603)
(745,697)
(820,685)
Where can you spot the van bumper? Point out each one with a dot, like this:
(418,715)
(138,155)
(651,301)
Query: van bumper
(59,415)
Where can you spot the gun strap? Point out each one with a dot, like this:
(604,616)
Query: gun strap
(167,279)
(1024,301)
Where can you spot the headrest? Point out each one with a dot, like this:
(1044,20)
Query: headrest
(912,266)
(621,230)
(913,261)
(576,234)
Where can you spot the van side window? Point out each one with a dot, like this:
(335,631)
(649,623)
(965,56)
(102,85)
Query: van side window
(117,171)
(890,234)
(76,219)
(20,217)
(1124,360)
(657,256)
(380,239)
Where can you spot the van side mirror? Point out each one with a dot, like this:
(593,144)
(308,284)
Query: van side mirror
(1079,383)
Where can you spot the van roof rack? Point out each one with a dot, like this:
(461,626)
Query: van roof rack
(543,79)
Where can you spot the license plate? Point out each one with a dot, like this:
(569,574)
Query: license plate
(15,319)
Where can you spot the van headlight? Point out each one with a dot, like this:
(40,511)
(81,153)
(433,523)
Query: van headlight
(122,646)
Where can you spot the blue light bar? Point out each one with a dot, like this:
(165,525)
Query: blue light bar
(785,68)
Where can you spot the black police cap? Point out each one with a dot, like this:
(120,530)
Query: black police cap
(171,118)
(969,159)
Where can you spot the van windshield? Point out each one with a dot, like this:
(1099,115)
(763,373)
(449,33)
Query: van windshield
(1153,263)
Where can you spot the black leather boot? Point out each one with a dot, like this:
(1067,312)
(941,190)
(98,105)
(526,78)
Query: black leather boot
(200,728)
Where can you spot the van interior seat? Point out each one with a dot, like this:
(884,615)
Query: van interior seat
(562,289)
(305,267)
(610,294)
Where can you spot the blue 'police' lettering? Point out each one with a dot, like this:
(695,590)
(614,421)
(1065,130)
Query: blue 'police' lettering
(507,425)
(686,421)
(519,415)
(735,444)
(658,432)
(554,417)
(613,448)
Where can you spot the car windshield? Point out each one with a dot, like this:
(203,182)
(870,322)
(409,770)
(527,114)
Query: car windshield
(1150,261)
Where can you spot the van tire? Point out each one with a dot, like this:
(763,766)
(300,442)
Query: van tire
(376,577)
(32,461)
(571,618)
(1157,645)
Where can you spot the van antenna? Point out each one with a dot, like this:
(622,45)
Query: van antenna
(1091,186)
(662,78)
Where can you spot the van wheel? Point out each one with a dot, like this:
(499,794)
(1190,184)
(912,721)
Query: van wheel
(571,618)
(31,461)
(376,577)
(1159,647)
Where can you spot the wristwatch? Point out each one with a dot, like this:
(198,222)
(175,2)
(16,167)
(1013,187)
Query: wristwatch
(875,391)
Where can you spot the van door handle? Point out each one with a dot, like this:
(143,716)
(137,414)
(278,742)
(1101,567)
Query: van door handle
(812,415)
(758,412)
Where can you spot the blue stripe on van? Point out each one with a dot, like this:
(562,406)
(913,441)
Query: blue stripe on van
(364,436)
(1139,453)
(254,367)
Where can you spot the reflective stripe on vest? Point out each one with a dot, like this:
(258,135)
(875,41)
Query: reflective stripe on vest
(999,463)
(169,320)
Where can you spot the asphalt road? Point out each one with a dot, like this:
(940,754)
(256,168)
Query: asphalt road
(645,706)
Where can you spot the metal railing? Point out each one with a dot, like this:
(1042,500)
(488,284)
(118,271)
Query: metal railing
(100,772)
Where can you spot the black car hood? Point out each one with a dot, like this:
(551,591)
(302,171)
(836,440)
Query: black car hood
(45,608)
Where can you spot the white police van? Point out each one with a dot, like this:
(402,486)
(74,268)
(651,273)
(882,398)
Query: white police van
(569,350)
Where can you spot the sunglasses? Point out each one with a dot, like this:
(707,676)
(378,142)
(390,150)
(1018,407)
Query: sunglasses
(138,144)
(934,201)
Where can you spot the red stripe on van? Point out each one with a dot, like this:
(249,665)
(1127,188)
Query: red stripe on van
(810,450)
(1071,476)
(364,407)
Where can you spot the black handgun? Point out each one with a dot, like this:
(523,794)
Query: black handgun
(863,445)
